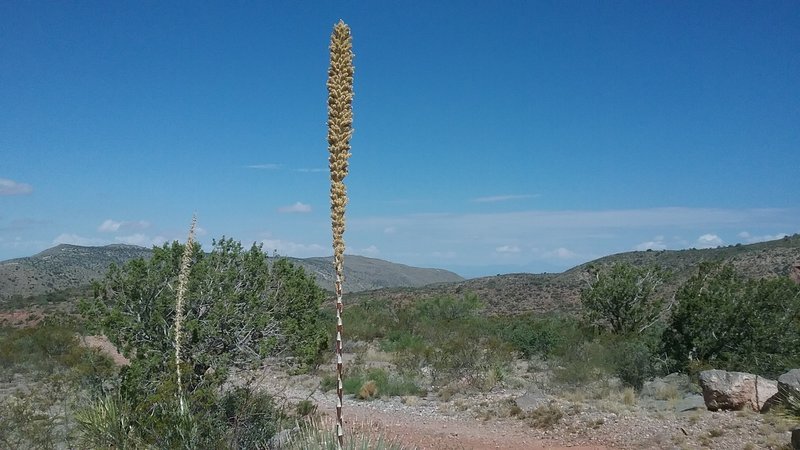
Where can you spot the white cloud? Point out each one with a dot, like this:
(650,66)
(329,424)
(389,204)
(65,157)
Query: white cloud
(110,225)
(315,170)
(11,187)
(650,245)
(298,207)
(513,223)
(502,198)
(507,249)
(389,230)
(141,240)
(656,244)
(74,239)
(560,253)
(287,248)
(264,166)
(445,254)
(709,240)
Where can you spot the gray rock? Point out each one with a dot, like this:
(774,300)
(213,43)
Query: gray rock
(736,390)
(788,382)
(531,400)
(672,385)
(796,439)
(691,403)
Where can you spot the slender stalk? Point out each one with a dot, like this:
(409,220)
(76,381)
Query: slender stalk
(340,129)
(183,281)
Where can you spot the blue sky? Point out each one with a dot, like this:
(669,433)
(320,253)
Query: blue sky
(489,136)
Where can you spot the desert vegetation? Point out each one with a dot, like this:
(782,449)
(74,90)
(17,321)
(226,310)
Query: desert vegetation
(446,349)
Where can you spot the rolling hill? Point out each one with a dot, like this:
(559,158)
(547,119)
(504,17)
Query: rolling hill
(71,267)
(542,293)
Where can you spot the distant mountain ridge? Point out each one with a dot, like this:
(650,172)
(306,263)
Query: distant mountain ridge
(543,293)
(71,266)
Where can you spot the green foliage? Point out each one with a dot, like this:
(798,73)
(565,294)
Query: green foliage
(59,375)
(251,417)
(624,299)
(543,336)
(733,323)
(240,308)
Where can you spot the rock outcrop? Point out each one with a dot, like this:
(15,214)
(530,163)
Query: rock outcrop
(736,390)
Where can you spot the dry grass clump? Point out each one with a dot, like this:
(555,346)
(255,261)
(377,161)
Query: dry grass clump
(629,396)
(545,416)
(368,390)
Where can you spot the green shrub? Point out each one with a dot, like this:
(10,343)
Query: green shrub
(625,299)
(732,323)
(543,336)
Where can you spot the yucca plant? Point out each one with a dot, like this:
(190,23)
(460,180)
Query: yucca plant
(340,129)
(317,434)
(183,282)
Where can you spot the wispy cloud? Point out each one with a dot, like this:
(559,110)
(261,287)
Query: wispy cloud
(141,240)
(371,251)
(24,224)
(750,239)
(315,170)
(560,253)
(11,187)
(264,166)
(298,207)
(502,198)
(297,250)
(74,239)
(558,239)
(567,221)
(111,226)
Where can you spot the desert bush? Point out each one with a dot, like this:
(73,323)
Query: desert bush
(251,416)
(624,299)
(729,322)
(240,308)
(632,358)
(368,321)
(543,336)
(59,376)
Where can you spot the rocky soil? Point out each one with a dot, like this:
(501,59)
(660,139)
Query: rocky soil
(519,417)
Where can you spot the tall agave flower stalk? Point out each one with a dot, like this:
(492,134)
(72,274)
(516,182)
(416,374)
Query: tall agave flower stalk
(183,282)
(340,129)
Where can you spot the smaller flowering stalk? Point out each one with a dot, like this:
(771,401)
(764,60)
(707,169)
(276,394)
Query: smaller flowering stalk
(183,282)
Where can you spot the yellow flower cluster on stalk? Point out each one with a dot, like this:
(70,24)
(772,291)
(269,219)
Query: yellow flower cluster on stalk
(340,130)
